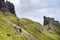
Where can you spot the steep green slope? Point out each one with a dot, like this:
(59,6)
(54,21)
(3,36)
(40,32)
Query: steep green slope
(34,28)
(50,31)
(53,29)
(6,32)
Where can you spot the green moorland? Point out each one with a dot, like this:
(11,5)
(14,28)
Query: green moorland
(30,26)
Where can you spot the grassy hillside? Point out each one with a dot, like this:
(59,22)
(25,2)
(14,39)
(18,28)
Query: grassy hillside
(34,28)
(6,32)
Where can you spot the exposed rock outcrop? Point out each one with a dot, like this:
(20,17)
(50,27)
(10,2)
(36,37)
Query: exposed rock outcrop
(2,5)
(53,25)
(48,20)
(7,6)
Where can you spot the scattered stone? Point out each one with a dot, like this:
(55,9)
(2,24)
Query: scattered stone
(8,35)
(19,29)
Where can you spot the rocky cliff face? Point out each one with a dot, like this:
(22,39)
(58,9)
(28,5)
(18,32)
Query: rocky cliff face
(7,6)
(48,20)
(53,25)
